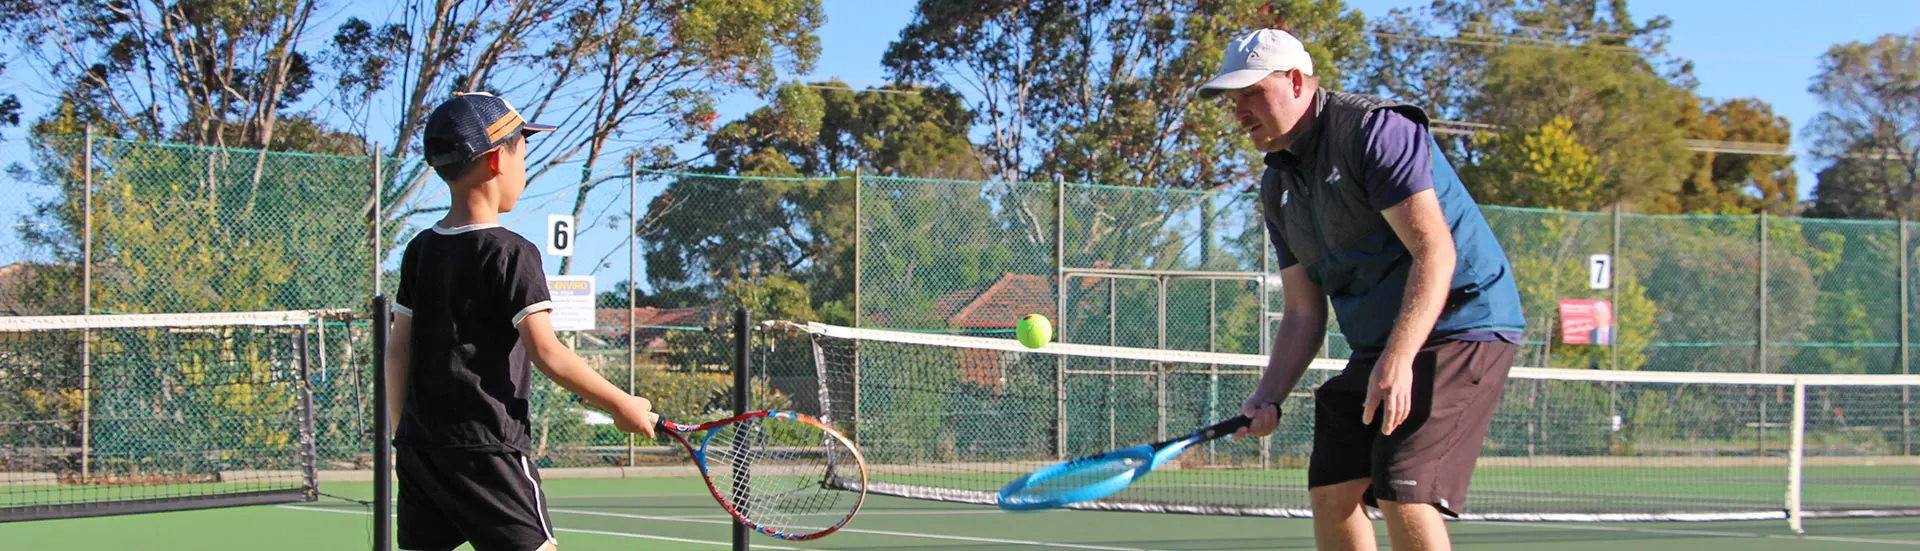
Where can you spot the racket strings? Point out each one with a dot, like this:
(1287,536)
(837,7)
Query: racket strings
(1081,474)
(783,475)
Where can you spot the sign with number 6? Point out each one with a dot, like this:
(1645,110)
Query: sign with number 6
(560,235)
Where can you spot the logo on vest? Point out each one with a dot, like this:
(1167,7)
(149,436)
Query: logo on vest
(1334,177)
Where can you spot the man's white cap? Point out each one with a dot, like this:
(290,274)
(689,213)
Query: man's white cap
(1256,55)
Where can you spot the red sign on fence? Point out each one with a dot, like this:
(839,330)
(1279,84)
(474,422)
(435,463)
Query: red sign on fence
(1585,321)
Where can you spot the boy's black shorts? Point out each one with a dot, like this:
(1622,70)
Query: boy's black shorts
(450,497)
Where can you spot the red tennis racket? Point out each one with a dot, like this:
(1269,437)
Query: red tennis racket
(784,474)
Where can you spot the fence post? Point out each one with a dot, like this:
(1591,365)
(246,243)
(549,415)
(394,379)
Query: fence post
(86,308)
(1906,407)
(633,276)
(1613,292)
(1060,314)
(1266,291)
(1761,344)
(1760,332)
(1160,375)
(859,251)
(858,228)
(1619,336)
(1213,370)
(374,240)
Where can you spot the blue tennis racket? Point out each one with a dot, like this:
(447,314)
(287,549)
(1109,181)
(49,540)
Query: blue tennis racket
(1100,475)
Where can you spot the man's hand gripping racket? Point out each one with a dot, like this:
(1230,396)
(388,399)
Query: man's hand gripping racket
(1096,476)
(784,474)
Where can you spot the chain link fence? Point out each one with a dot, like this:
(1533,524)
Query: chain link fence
(1193,270)
(118,226)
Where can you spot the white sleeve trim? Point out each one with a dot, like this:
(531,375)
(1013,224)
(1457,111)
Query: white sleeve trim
(402,309)
(530,309)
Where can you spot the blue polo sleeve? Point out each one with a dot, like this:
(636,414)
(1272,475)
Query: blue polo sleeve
(1398,160)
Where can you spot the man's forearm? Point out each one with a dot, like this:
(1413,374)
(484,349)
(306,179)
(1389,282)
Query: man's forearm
(1426,294)
(1294,346)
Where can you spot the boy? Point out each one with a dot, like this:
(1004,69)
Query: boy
(472,311)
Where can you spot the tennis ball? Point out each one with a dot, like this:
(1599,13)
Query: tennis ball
(1034,331)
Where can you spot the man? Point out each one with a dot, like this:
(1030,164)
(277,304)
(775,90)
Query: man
(1366,214)
(471,313)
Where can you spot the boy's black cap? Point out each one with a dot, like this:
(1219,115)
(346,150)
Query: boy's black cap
(462,128)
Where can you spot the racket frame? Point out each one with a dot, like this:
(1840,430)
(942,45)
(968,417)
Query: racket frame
(1151,456)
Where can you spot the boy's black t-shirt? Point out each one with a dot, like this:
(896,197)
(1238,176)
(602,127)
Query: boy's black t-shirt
(467,289)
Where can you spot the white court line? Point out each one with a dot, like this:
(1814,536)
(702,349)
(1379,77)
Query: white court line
(576,531)
(862,514)
(1751,535)
(1028,543)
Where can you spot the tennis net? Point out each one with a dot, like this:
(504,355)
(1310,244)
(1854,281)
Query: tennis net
(118,414)
(953,418)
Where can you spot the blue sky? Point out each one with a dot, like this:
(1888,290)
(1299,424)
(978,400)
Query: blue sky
(1766,49)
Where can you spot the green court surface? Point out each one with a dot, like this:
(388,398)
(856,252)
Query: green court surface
(676,513)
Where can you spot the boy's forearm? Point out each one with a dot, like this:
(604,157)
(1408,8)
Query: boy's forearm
(573,374)
(397,371)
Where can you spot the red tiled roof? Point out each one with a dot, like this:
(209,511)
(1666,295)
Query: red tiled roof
(1002,305)
(612,322)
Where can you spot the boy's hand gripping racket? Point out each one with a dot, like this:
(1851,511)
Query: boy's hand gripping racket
(784,474)
(1096,476)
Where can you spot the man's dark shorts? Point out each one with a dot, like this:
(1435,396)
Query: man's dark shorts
(1430,457)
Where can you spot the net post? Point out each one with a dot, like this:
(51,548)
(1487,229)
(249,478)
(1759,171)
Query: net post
(382,430)
(86,309)
(742,357)
(309,456)
(1796,454)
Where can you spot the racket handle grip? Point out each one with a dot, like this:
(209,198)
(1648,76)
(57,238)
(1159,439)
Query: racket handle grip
(1232,425)
(1225,428)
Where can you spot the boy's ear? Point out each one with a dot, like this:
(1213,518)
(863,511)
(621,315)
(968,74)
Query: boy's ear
(493,160)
